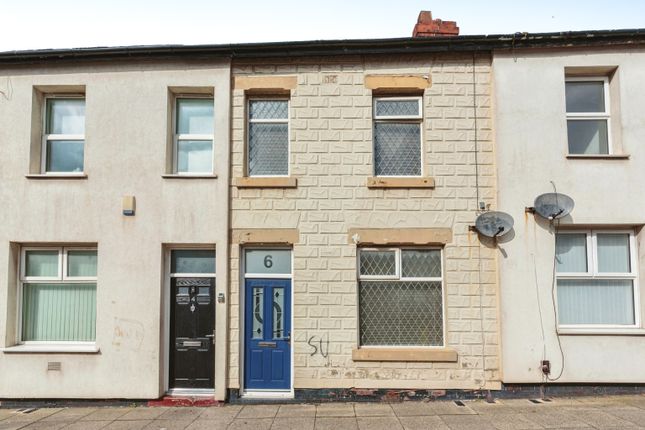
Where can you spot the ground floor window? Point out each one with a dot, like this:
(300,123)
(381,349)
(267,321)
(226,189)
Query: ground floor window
(400,294)
(58,294)
(596,278)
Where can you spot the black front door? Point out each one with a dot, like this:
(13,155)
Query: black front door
(192,358)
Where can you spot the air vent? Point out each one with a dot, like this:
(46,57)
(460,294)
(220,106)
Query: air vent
(53,366)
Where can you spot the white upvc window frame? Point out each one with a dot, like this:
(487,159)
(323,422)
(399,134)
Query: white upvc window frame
(408,119)
(250,121)
(397,265)
(399,277)
(176,137)
(62,278)
(582,116)
(593,273)
(52,137)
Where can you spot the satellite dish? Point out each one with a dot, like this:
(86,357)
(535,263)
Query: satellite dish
(494,224)
(553,205)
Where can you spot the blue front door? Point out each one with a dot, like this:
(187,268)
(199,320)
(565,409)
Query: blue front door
(267,334)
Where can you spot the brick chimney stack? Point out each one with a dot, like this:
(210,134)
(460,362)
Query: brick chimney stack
(428,27)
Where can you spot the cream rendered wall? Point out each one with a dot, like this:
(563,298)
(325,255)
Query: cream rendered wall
(531,140)
(331,157)
(125,154)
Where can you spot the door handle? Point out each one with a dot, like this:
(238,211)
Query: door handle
(288,338)
(212,336)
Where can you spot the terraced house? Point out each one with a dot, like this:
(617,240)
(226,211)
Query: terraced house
(276,220)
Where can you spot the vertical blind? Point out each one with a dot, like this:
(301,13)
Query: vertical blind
(592,297)
(59,312)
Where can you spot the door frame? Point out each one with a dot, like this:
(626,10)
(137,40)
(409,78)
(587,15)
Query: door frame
(166,311)
(242,291)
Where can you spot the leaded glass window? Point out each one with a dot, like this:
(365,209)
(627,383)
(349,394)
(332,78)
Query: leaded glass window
(400,297)
(268,141)
(397,136)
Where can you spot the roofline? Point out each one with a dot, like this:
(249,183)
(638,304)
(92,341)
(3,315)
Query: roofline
(409,45)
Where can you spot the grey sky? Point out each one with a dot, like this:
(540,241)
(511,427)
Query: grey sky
(35,24)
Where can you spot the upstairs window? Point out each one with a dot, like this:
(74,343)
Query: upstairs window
(64,137)
(588,116)
(193,142)
(397,136)
(268,142)
(596,279)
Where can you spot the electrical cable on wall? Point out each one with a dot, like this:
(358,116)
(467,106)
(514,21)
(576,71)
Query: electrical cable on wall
(479,245)
(539,304)
(555,225)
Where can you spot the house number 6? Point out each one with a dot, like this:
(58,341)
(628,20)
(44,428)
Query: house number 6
(268,261)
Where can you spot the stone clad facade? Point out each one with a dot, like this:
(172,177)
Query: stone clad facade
(331,162)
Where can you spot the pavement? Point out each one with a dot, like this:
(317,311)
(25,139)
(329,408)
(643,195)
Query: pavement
(607,412)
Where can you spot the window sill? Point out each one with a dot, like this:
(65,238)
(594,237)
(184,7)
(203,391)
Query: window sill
(177,176)
(601,332)
(64,176)
(598,156)
(392,182)
(268,182)
(52,349)
(447,355)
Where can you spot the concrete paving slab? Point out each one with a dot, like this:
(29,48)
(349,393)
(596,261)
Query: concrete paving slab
(226,412)
(142,413)
(251,424)
(106,414)
(335,410)
(4,413)
(259,411)
(450,408)
(209,425)
(426,422)
(36,415)
(628,413)
(181,414)
(609,400)
(512,422)
(336,423)
(293,423)
(373,410)
(168,425)
(69,414)
(412,409)
(553,419)
(86,425)
(600,419)
(127,425)
(467,422)
(45,425)
(379,423)
(11,426)
(293,411)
